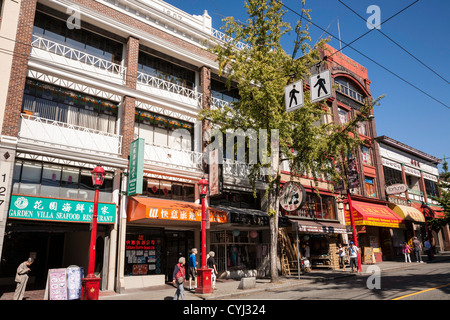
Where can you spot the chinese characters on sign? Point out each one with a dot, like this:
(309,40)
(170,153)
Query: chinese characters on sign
(136,169)
(50,209)
(185,214)
(143,254)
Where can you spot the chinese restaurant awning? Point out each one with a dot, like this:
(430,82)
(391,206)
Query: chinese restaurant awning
(408,213)
(430,212)
(150,210)
(371,214)
(310,226)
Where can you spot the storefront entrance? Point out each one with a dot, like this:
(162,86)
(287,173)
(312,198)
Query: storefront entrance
(52,245)
(178,244)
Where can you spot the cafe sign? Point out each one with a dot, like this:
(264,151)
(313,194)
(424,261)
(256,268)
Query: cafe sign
(63,210)
(396,188)
(292,196)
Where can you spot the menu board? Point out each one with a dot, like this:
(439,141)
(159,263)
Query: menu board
(143,254)
(57,284)
(74,276)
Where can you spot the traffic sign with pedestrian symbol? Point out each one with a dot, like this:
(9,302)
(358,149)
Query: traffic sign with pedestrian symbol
(320,86)
(293,96)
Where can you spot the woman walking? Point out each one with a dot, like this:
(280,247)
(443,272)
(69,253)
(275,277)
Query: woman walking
(179,277)
(406,249)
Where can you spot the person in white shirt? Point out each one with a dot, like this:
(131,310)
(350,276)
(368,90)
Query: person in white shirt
(353,253)
(342,255)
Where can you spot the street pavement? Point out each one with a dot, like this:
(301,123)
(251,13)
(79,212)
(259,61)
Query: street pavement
(228,288)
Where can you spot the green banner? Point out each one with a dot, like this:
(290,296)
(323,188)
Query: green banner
(136,169)
(50,209)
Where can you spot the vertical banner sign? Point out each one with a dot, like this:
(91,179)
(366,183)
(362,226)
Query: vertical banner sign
(320,86)
(214,179)
(293,96)
(352,174)
(136,168)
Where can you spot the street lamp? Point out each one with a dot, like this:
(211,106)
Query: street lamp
(203,274)
(91,284)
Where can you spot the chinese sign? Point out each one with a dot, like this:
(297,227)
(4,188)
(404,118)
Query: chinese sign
(136,169)
(292,196)
(184,214)
(143,254)
(50,209)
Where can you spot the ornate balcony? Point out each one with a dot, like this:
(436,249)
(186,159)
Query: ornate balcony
(44,49)
(40,131)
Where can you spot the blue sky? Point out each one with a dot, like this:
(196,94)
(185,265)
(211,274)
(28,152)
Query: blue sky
(405,114)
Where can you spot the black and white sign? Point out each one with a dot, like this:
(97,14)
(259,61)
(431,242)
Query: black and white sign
(320,86)
(292,196)
(396,188)
(293,96)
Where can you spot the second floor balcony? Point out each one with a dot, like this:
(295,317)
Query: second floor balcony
(46,50)
(61,135)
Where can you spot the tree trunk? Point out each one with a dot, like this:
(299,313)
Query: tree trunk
(273,222)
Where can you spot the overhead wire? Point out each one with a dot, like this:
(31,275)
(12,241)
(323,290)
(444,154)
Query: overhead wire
(396,43)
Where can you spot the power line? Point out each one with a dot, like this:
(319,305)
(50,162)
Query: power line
(364,55)
(397,44)
(374,28)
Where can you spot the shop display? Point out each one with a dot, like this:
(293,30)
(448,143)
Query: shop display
(143,255)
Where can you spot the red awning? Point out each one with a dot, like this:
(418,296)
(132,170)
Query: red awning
(430,212)
(370,214)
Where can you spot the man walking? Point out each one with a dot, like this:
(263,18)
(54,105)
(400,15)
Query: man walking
(417,249)
(353,252)
(22,278)
(192,271)
(428,250)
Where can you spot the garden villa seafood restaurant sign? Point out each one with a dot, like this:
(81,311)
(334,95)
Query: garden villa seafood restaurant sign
(50,209)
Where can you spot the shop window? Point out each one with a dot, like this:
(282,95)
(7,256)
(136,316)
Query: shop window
(166,70)
(169,190)
(53,180)
(143,252)
(67,106)
(370,187)
(343,115)
(392,176)
(56,30)
(237,199)
(431,188)
(366,156)
(315,207)
(164,131)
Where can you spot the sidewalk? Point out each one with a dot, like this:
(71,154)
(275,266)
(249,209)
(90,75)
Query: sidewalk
(227,288)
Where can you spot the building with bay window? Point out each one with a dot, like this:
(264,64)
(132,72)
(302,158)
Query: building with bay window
(418,173)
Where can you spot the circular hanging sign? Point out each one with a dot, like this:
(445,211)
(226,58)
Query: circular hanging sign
(292,196)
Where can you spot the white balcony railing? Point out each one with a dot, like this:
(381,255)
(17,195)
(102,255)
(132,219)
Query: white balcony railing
(77,55)
(240,169)
(169,87)
(223,37)
(177,159)
(217,103)
(62,135)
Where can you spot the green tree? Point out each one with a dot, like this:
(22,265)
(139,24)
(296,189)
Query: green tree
(261,71)
(444,199)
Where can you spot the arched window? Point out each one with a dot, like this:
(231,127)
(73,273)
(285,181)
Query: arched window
(349,89)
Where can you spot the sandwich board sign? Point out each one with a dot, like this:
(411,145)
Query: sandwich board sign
(320,85)
(293,96)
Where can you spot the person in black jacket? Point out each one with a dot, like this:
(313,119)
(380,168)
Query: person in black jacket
(211,264)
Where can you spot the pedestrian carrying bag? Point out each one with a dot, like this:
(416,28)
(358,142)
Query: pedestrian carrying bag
(180,280)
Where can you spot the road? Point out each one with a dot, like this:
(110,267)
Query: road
(414,282)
